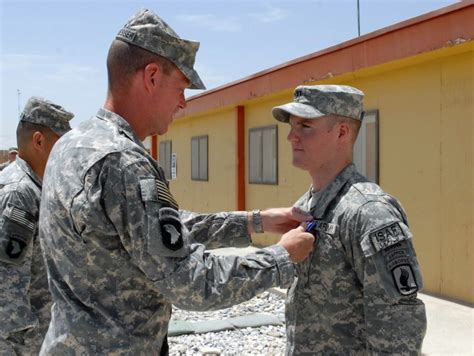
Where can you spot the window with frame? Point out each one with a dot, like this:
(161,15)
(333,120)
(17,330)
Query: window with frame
(199,158)
(366,148)
(263,155)
(165,158)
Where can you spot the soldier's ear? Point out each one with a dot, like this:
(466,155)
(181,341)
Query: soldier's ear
(38,140)
(344,131)
(151,75)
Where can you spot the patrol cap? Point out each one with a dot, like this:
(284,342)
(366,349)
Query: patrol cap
(148,31)
(44,112)
(13,150)
(315,101)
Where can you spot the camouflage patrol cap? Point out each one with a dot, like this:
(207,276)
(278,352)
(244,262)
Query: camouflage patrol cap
(13,150)
(148,31)
(315,101)
(44,112)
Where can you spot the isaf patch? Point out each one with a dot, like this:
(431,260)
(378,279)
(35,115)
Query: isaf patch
(387,236)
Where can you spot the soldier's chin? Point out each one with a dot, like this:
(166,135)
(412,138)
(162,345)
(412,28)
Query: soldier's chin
(298,163)
(162,130)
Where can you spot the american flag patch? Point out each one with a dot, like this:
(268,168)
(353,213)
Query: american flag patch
(164,194)
(21,217)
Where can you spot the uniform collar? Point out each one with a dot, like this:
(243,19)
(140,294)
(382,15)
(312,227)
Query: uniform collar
(25,167)
(331,191)
(121,123)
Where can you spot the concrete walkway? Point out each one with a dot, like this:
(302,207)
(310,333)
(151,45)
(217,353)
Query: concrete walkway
(450,325)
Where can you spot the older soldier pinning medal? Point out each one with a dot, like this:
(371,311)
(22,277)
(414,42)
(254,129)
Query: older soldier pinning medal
(118,249)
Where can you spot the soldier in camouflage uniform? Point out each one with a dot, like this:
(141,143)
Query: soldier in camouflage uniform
(25,302)
(356,293)
(118,249)
(12,153)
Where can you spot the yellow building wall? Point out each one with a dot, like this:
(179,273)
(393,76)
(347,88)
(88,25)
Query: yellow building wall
(292,183)
(426,119)
(426,116)
(218,193)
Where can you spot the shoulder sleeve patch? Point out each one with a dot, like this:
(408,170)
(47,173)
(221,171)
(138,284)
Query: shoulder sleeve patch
(17,228)
(21,217)
(386,236)
(405,279)
(153,189)
(383,237)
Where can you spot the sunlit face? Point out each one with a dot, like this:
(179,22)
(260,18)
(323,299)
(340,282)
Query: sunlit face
(313,143)
(169,99)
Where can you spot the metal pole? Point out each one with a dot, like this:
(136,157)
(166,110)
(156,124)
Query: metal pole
(19,93)
(358,17)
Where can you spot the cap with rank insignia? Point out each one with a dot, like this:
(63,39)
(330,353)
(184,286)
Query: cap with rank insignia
(148,31)
(43,112)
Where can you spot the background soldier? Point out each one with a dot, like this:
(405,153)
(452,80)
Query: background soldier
(118,250)
(356,294)
(12,152)
(25,301)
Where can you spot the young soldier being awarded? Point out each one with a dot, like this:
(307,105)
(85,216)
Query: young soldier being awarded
(356,294)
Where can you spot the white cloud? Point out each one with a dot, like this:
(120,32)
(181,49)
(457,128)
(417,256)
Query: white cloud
(273,14)
(210,21)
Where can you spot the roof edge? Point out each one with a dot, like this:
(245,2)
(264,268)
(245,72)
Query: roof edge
(361,43)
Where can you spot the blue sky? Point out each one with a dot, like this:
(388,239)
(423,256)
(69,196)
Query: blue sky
(57,49)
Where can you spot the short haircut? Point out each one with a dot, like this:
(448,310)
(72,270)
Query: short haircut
(352,123)
(25,131)
(124,60)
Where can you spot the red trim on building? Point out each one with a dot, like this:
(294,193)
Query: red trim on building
(240,157)
(441,28)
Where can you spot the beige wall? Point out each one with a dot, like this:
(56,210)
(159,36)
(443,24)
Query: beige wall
(426,115)
(218,193)
(426,119)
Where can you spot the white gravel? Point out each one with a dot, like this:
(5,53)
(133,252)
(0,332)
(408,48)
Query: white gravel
(264,340)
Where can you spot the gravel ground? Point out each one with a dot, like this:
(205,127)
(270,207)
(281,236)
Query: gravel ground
(264,340)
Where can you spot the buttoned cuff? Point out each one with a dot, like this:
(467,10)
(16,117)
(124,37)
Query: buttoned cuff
(286,269)
(243,239)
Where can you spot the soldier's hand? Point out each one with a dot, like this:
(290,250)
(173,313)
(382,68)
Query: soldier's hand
(298,243)
(281,220)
